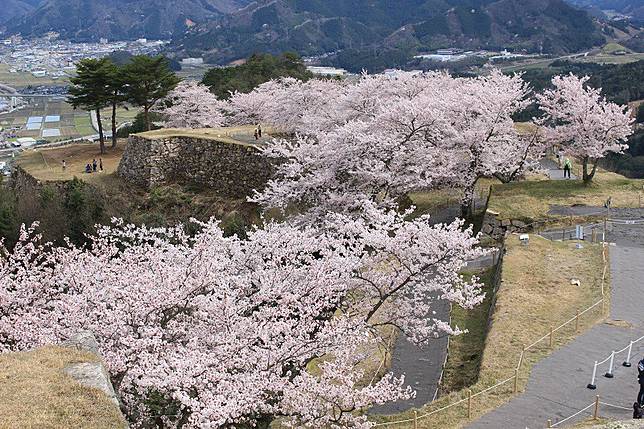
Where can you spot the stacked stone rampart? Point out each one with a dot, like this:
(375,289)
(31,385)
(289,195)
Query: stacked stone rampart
(230,169)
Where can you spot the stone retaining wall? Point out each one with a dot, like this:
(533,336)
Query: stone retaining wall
(230,169)
(90,374)
(497,228)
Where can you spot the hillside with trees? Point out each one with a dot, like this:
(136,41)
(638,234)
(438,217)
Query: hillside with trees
(199,328)
(621,83)
(258,69)
(316,27)
(118,19)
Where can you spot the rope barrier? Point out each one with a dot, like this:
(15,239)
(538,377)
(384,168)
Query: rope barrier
(572,417)
(492,387)
(422,416)
(616,406)
(611,357)
(518,367)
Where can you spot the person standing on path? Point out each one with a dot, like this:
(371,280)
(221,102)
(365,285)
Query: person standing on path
(64,165)
(640,378)
(567,168)
(94,165)
(100,164)
(259,130)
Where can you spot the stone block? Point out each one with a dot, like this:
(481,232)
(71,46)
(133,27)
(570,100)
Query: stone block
(519,224)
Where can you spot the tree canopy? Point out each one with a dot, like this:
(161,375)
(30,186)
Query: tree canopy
(90,88)
(258,69)
(148,80)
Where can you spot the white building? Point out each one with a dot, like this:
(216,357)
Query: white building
(327,71)
(394,73)
(192,61)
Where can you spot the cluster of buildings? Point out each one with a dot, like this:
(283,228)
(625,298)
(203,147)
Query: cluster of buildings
(448,55)
(454,55)
(50,57)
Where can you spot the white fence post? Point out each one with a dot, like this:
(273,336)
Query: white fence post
(627,362)
(609,374)
(592,385)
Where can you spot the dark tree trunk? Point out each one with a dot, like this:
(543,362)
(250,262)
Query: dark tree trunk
(101,136)
(114,124)
(146,114)
(468,200)
(588,176)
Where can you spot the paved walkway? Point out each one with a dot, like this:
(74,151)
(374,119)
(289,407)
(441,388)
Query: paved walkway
(552,169)
(557,384)
(423,367)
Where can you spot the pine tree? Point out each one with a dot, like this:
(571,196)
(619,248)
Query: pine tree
(90,89)
(148,79)
(117,96)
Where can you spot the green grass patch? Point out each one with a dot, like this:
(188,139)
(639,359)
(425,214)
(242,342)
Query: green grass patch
(83,125)
(466,351)
(613,47)
(531,200)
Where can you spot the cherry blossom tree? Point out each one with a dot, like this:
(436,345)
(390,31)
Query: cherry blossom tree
(289,104)
(487,142)
(213,331)
(381,138)
(191,105)
(580,119)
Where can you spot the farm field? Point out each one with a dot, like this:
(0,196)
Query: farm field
(73,123)
(23,79)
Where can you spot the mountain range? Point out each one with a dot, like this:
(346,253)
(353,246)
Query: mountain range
(112,19)
(313,27)
(634,8)
(17,8)
(226,30)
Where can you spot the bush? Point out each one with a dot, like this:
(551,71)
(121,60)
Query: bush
(258,69)
(138,126)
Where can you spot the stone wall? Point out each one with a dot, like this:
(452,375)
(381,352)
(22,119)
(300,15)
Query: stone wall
(230,169)
(497,228)
(92,374)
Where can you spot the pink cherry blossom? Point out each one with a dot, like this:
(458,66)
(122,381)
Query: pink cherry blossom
(191,105)
(220,330)
(583,122)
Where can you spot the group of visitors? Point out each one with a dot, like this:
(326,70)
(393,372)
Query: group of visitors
(258,132)
(94,166)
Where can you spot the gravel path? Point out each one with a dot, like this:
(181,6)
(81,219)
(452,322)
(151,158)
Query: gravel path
(553,170)
(423,367)
(557,384)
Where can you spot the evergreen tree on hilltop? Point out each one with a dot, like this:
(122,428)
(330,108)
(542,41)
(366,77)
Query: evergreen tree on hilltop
(148,79)
(258,69)
(117,94)
(89,90)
